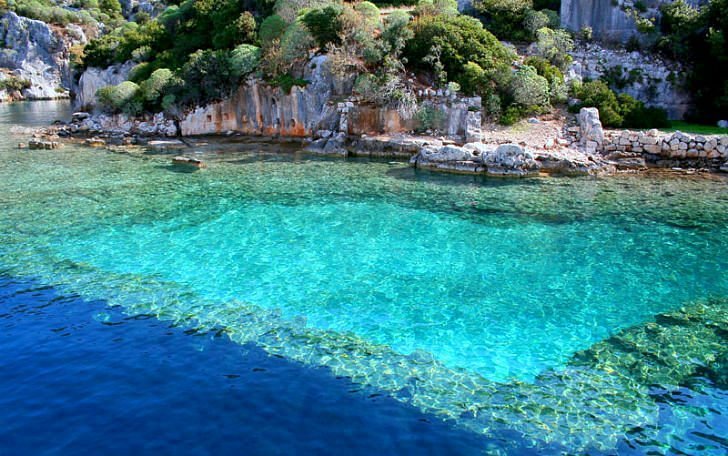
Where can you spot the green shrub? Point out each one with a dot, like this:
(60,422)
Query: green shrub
(271,29)
(598,95)
(429,118)
(153,88)
(286,82)
(529,90)
(244,59)
(555,45)
(207,76)
(544,68)
(637,115)
(462,39)
(435,7)
(324,25)
(505,17)
(535,20)
(296,42)
(369,11)
(14,84)
(124,98)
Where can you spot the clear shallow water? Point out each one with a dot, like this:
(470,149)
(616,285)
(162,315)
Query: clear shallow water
(421,285)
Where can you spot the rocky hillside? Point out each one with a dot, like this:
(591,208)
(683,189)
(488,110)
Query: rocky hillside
(43,42)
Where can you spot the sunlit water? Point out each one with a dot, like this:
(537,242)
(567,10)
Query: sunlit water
(492,279)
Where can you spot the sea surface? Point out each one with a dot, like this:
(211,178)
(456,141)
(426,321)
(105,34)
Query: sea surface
(282,303)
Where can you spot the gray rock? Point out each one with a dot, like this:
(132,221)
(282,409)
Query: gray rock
(33,51)
(95,78)
(590,129)
(510,160)
(723,123)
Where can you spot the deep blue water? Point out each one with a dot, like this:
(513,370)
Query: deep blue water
(79,378)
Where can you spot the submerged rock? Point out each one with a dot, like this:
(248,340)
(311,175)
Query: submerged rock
(43,144)
(188,162)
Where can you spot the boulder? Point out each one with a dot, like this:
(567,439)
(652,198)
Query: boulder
(510,160)
(723,124)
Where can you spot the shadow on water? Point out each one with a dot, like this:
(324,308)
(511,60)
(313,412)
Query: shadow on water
(79,377)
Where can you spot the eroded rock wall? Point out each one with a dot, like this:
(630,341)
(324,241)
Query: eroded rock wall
(259,109)
(38,52)
(606,18)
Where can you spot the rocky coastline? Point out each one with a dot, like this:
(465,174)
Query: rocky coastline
(583,149)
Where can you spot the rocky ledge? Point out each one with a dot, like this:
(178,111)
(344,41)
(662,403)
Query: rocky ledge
(510,160)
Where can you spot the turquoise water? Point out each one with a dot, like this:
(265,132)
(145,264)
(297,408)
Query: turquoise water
(354,264)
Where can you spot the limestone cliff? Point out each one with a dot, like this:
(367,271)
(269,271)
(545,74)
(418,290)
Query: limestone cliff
(38,52)
(606,18)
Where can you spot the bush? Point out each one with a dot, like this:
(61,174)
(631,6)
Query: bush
(619,110)
(598,95)
(461,39)
(244,60)
(370,12)
(153,88)
(296,42)
(555,45)
(14,84)
(125,98)
(324,25)
(505,17)
(429,118)
(435,7)
(271,29)
(529,90)
(207,76)
(535,20)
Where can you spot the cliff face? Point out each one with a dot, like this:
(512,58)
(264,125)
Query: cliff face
(258,109)
(607,20)
(38,52)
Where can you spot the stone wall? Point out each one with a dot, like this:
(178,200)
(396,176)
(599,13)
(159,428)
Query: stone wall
(655,81)
(669,149)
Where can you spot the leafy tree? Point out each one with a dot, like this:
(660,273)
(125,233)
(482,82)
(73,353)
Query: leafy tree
(271,29)
(325,25)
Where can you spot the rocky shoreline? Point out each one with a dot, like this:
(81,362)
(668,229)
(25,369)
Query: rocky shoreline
(582,150)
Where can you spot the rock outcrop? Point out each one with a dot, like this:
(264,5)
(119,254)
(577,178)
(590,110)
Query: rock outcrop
(647,78)
(259,109)
(590,129)
(606,18)
(95,78)
(509,160)
(39,53)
